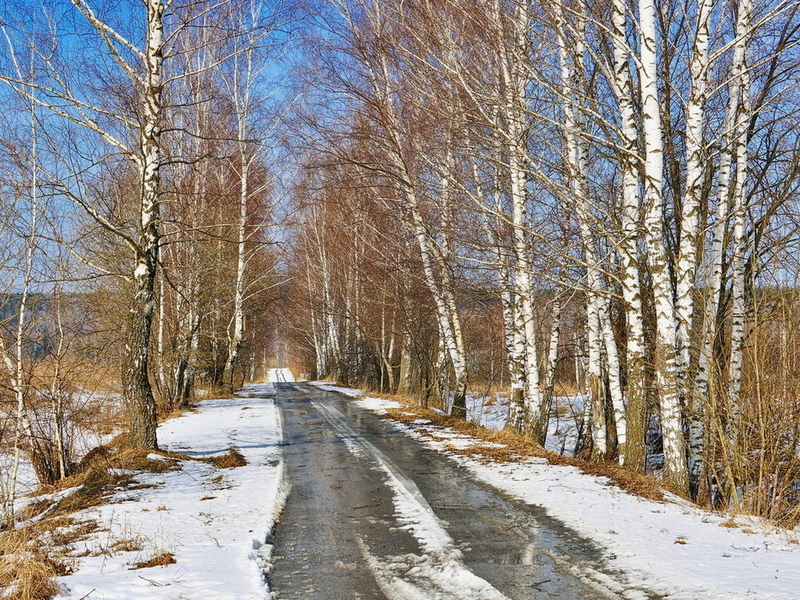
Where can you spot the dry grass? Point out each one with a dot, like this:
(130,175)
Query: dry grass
(102,473)
(27,570)
(28,555)
(231,459)
(162,559)
(127,545)
(517,447)
(31,556)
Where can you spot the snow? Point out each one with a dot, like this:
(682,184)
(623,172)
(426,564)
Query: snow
(328,387)
(279,375)
(218,528)
(216,522)
(671,548)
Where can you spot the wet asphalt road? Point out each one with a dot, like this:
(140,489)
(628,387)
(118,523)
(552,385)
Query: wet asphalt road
(341,526)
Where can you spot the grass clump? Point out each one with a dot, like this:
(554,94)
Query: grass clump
(162,559)
(27,572)
(231,459)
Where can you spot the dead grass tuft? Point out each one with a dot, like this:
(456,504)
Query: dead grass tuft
(127,545)
(27,572)
(95,487)
(162,559)
(232,458)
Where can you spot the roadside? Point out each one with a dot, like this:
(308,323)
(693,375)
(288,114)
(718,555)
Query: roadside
(193,522)
(196,520)
(670,547)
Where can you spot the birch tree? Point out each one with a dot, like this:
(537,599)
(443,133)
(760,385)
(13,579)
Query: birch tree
(250,59)
(143,68)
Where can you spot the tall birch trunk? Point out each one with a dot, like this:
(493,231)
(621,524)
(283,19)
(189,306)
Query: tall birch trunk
(241,262)
(137,393)
(513,338)
(513,93)
(736,119)
(666,357)
(738,256)
(690,210)
(636,410)
(691,240)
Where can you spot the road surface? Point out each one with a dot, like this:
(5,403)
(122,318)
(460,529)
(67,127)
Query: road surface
(375,515)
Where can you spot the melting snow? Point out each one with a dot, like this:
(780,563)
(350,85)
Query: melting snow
(216,522)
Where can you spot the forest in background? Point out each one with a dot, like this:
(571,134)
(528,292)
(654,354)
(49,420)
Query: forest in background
(425,198)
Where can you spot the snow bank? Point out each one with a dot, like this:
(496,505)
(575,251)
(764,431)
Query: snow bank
(216,522)
(671,548)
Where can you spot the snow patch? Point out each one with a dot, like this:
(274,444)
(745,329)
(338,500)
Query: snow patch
(216,522)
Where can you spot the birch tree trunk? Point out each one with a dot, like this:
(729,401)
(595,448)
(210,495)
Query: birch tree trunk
(666,357)
(691,239)
(137,393)
(690,211)
(738,257)
(514,111)
(241,247)
(636,410)
(736,120)
(543,418)
(14,359)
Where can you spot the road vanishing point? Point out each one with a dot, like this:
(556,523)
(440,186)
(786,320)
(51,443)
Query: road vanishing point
(373,514)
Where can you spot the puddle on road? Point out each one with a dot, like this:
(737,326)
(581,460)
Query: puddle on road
(517,547)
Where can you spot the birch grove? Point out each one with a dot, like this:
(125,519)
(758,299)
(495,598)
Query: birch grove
(556,211)
(605,150)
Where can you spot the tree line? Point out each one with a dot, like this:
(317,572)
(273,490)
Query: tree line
(533,192)
(137,165)
(490,195)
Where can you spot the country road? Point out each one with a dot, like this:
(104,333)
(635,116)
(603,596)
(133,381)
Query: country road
(373,514)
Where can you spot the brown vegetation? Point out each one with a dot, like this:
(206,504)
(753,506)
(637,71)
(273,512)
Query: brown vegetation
(231,459)
(32,555)
(162,559)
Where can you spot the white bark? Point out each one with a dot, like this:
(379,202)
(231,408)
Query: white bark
(738,256)
(446,309)
(666,360)
(514,80)
(695,151)
(733,151)
(691,238)
(595,400)
(628,244)
(599,334)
